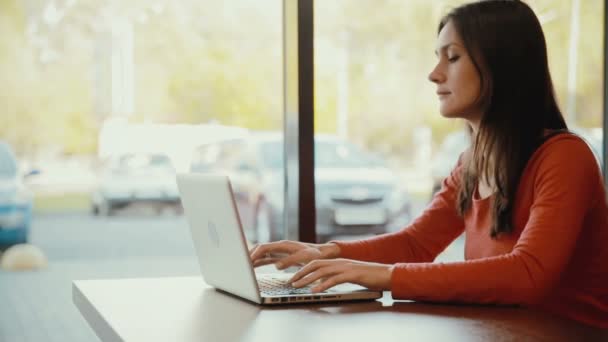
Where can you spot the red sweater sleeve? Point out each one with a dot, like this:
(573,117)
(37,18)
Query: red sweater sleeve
(422,240)
(565,188)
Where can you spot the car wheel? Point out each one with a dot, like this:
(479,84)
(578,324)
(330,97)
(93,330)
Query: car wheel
(264,229)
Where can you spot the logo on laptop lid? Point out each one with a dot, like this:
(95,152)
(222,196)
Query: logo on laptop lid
(213,235)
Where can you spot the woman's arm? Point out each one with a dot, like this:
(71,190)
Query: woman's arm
(566,186)
(422,240)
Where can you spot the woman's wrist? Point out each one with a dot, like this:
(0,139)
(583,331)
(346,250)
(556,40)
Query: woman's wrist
(390,269)
(329,250)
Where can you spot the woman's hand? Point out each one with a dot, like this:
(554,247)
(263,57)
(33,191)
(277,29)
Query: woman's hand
(333,272)
(290,253)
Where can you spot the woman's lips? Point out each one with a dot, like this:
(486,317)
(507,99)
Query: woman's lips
(442,95)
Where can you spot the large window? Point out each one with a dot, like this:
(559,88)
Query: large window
(102,103)
(111,80)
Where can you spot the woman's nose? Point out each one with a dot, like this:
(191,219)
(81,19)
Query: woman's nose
(436,76)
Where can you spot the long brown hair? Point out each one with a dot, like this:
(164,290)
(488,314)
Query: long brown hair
(508,48)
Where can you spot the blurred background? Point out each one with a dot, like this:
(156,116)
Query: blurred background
(103,101)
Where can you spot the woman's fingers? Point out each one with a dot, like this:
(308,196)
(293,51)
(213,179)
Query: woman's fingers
(337,279)
(308,268)
(313,266)
(324,270)
(295,259)
(260,251)
(265,261)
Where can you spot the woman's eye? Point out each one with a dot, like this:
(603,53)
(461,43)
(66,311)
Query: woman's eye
(453,59)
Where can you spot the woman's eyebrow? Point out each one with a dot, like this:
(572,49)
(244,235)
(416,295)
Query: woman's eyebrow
(446,46)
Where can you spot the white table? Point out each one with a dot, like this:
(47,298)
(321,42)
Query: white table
(186,309)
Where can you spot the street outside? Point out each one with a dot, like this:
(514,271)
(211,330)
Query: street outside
(37,305)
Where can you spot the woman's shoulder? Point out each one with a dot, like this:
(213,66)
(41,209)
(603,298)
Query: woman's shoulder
(563,167)
(565,141)
(565,147)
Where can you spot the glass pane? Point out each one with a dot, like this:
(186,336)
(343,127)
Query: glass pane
(372,91)
(103,102)
(254,164)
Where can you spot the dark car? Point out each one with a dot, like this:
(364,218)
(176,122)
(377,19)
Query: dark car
(356,193)
(135,178)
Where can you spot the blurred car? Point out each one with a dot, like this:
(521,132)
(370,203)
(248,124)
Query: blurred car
(594,143)
(356,193)
(447,156)
(15,200)
(133,178)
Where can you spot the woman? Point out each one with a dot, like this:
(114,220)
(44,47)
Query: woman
(528,194)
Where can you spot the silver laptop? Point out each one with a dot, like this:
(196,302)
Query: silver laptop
(223,254)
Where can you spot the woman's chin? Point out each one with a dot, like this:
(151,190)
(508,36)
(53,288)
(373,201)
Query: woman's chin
(457,113)
(448,114)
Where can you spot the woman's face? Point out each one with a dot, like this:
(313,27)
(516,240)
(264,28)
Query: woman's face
(458,82)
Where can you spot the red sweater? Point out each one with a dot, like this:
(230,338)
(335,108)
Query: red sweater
(556,259)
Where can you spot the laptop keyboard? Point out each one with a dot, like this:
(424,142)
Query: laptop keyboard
(276,287)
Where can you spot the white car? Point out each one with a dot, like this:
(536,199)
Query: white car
(136,177)
(356,192)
